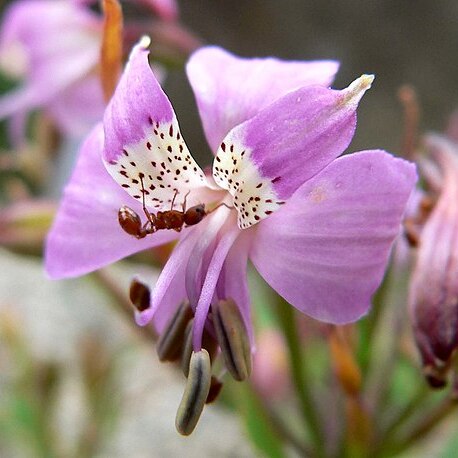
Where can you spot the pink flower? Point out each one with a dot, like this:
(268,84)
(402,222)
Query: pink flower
(53,46)
(317,227)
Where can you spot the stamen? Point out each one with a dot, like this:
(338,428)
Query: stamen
(215,389)
(139,295)
(171,342)
(232,338)
(195,393)
(208,342)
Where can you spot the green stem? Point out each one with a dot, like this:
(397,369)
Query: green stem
(423,426)
(406,412)
(286,316)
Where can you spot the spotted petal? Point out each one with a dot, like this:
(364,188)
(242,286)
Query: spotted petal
(86,234)
(264,160)
(230,89)
(325,251)
(144,150)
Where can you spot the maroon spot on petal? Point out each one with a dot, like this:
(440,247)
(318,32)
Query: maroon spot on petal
(169,149)
(133,164)
(256,217)
(125,152)
(162,135)
(223,146)
(276,179)
(259,185)
(171,131)
(153,163)
(125,186)
(268,212)
(148,145)
(141,175)
(112,162)
(134,181)
(150,120)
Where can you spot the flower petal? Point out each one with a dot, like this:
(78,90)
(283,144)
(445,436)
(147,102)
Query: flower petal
(230,89)
(86,234)
(144,151)
(79,107)
(229,234)
(326,250)
(264,160)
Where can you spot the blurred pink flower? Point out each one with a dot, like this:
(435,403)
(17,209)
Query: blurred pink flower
(53,46)
(270,365)
(433,297)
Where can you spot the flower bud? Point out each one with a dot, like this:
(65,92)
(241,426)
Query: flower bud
(433,295)
(232,338)
(195,394)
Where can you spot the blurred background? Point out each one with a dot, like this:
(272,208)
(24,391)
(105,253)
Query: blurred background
(401,42)
(76,377)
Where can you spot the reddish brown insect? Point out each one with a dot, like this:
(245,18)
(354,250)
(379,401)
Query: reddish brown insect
(169,219)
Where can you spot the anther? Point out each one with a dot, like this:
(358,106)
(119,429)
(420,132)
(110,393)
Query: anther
(215,389)
(171,342)
(139,295)
(232,338)
(195,393)
(208,342)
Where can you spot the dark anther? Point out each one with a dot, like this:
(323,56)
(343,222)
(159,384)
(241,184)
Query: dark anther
(232,338)
(139,295)
(171,342)
(195,393)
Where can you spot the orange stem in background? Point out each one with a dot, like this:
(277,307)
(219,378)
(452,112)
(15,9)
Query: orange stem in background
(408,98)
(111,52)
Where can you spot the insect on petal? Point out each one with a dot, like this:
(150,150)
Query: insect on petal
(144,150)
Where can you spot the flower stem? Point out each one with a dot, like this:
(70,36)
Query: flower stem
(424,426)
(286,316)
(122,303)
